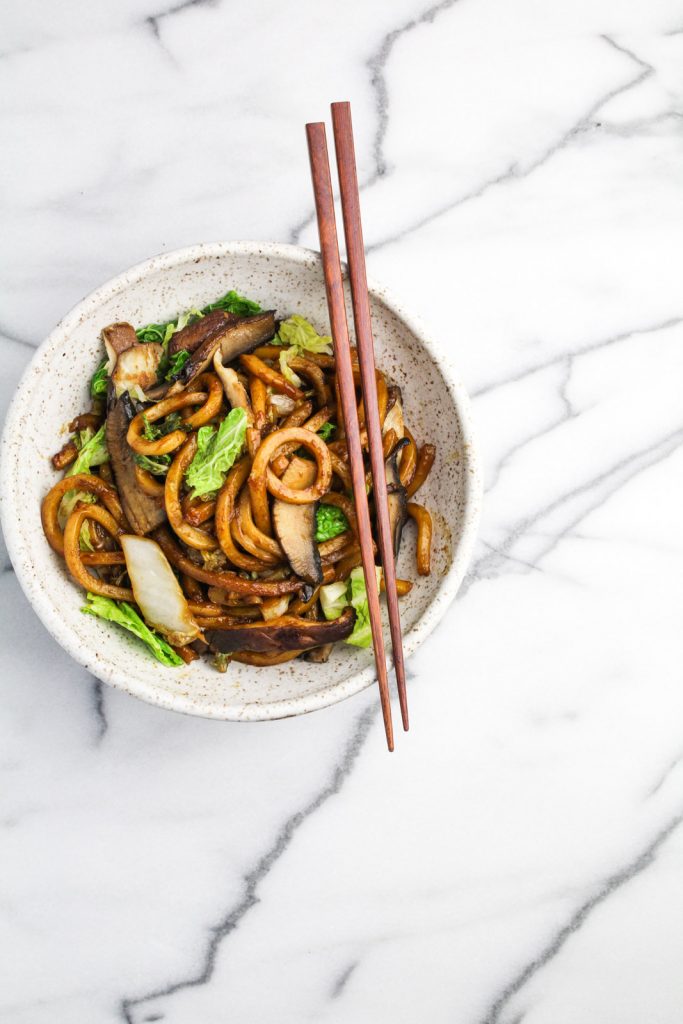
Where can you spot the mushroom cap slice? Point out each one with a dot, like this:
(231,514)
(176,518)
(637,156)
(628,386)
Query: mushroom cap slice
(319,655)
(143,512)
(288,633)
(295,525)
(396,496)
(118,337)
(234,338)
(246,334)
(195,334)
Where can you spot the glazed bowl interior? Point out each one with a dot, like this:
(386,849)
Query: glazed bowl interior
(55,389)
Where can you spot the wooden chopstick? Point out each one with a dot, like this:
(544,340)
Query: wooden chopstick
(355,250)
(334,287)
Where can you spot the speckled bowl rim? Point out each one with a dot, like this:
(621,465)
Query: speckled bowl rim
(120,677)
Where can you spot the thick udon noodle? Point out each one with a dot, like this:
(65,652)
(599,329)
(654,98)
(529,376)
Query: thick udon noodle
(224,550)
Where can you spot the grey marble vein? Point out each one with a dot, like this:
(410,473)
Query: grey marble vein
(665,774)
(570,412)
(343,979)
(517,173)
(640,125)
(18,339)
(510,558)
(567,414)
(183,5)
(154,25)
(153,20)
(489,566)
(503,462)
(376,65)
(99,709)
(643,461)
(299,228)
(593,346)
(232,919)
(609,887)
(510,173)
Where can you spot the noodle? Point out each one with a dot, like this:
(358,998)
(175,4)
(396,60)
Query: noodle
(425,461)
(275,380)
(78,482)
(424,537)
(170,442)
(72,552)
(265,545)
(407,461)
(216,578)
(148,483)
(315,375)
(214,400)
(191,535)
(225,506)
(262,477)
(221,544)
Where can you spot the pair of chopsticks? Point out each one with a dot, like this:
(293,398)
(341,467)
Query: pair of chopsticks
(329,249)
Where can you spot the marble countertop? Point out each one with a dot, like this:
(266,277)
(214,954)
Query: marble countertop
(519,858)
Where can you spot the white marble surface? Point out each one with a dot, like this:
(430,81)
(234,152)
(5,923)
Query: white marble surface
(519,858)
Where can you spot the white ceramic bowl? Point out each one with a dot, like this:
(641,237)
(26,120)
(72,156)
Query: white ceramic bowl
(54,389)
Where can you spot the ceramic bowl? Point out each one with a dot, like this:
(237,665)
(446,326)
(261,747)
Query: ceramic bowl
(55,388)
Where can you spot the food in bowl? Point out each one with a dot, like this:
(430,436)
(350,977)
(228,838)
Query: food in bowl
(206,501)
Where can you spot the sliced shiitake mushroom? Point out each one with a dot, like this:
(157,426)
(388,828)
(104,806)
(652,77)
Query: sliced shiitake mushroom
(143,512)
(118,337)
(246,334)
(234,338)
(195,334)
(288,633)
(319,655)
(398,503)
(295,525)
